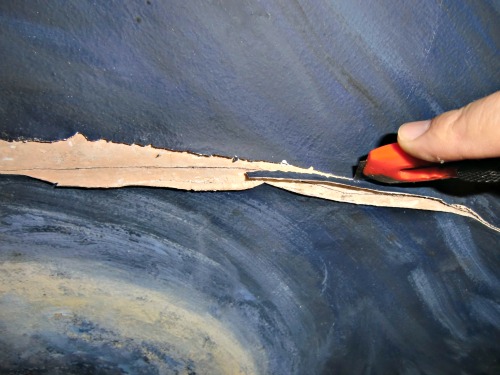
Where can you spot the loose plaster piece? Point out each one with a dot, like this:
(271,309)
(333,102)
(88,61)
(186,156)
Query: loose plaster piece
(77,162)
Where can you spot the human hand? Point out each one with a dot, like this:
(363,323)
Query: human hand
(471,132)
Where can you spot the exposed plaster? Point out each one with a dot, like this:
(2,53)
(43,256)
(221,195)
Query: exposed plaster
(77,162)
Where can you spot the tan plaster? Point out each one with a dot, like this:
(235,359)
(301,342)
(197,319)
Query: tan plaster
(78,162)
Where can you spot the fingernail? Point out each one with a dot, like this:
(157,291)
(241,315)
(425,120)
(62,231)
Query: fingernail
(412,130)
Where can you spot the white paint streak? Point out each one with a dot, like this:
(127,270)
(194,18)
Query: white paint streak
(435,298)
(459,239)
(325,279)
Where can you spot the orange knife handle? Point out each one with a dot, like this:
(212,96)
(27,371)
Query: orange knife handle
(392,164)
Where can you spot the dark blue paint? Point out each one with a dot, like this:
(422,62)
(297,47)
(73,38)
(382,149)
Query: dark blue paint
(315,83)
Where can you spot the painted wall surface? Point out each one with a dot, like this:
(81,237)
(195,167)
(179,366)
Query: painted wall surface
(145,281)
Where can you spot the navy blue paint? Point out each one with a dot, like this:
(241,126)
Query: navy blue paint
(315,83)
(366,292)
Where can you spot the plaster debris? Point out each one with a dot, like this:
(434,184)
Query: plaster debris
(77,162)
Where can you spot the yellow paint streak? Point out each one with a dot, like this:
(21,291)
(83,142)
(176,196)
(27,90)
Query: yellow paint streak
(128,310)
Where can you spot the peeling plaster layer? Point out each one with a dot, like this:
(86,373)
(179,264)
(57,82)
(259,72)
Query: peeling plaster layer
(77,162)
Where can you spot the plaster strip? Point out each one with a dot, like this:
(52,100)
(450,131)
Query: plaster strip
(77,162)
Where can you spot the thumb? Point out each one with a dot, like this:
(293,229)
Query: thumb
(471,132)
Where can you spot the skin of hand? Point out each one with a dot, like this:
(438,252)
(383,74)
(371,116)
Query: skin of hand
(471,132)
